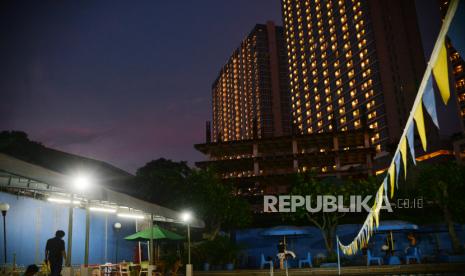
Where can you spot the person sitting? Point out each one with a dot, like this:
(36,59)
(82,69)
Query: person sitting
(176,266)
(412,240)
(31,270)
(283,254)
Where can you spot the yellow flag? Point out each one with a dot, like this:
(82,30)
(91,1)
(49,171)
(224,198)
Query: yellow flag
(441,74)
(376,216)
(392,178)
(380,194)
(403,152)
(419,119)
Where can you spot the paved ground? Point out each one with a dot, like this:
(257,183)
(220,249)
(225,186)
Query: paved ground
(415,269)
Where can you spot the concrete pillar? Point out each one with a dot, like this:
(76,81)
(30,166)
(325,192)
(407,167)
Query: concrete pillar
(255,150)
(335,142)
(295,162)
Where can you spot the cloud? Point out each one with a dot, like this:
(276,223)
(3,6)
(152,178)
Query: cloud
(61,137)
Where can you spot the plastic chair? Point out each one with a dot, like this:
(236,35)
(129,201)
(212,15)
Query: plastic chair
(412,255)
(123,269)
(144,268)
(264,262)
(307,260)
(371,258)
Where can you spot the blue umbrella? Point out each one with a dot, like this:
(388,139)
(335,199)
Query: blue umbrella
(285,231)
(396,225)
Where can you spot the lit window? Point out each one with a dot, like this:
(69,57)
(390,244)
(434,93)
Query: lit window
(372,115)
(353,93)
(354,102)
(458,69)
(351,73)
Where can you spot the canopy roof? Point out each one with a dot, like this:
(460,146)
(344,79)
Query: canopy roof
(157,233)
(396,225)
(285,231)
(21,175)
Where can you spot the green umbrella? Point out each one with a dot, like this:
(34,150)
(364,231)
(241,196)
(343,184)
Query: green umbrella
(158,234)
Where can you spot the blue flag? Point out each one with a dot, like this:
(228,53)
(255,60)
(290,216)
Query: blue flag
(411,141)
(397,163)
(385,188)
(429,101)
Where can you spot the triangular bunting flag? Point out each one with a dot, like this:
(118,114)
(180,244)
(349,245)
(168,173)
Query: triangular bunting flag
(397,164)
(385,188)
(419,119)
(391,178)
(441,74)
(403,153)
(430,102)
(411,142)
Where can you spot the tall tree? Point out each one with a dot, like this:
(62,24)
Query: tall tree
(216,203)
(444,185)
(163,181)
(327,222)
(176,185)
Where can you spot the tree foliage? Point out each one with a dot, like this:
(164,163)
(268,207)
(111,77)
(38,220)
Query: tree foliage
(216,203)
(443,184)
(163,181)
(176,185)
(309,185)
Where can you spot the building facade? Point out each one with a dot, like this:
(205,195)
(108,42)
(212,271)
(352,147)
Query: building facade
(250,96)
(353,58)
(267,166)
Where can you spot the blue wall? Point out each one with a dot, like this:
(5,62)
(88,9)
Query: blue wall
(31,222)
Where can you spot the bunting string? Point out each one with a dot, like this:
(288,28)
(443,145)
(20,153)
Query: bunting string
(437,71)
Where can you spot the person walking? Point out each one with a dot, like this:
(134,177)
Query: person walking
(55,253)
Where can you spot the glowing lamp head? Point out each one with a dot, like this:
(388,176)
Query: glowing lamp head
(4,207)
(81,182)
(117,225)
(186,217)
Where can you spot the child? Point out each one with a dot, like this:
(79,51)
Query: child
(31,270)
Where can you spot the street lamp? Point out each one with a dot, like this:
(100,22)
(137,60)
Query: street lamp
(117,227)
(4,207)
(186,217)
(81,182)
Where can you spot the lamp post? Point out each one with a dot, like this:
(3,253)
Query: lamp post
(117,227)
(4,207)
(81,183)
(186,217)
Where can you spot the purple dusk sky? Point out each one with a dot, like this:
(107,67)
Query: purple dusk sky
(123,82)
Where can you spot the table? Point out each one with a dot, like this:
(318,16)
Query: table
(107,269)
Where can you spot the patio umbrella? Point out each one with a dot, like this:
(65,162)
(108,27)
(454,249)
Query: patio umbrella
(158,234)
(285,231)
(396,225)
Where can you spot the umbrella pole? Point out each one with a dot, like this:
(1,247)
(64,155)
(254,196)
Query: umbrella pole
(338,258)
(392,242)
(152,261)
(148,250)
(139,252)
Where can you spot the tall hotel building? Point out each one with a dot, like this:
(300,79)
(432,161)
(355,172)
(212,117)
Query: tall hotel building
(251,94)
(351,60)
(253,147)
